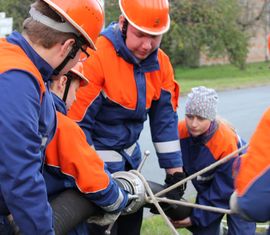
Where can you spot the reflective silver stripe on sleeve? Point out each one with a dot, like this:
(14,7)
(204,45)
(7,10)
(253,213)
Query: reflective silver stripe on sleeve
(130,150)
(92,146)
(110,156)
(205,178)
(44,141)
(104,94)
(115,205)
(167,147)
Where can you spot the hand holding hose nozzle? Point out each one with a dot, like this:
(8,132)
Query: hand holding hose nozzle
(127,182)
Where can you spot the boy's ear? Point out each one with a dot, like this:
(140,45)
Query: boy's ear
(121,21)
(63,81)
(66,47)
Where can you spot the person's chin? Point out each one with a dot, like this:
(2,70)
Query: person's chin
(142,56)
(194,133)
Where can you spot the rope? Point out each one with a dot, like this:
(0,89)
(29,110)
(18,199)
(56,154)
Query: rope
(154,201)
(210,167)
(189,204)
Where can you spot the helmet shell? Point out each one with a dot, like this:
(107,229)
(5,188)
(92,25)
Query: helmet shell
(86,16)
(149,16)
(78,70)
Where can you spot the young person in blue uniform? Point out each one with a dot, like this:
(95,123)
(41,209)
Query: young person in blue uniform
(130,78)
(70,161)
(51,42)
(205,139)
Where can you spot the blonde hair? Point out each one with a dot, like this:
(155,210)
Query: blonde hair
(226,122)
(41,34)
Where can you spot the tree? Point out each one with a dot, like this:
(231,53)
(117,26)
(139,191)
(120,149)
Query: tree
(112,11)
(16,9)
(205,26)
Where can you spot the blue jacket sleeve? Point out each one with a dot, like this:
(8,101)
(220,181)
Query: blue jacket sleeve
(164,130)
(217,195)
(112,199)
(22,184)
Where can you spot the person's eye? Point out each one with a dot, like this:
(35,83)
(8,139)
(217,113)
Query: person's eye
(201,118)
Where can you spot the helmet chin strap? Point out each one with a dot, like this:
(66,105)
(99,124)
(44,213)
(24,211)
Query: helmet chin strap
(79,42)
(69,78)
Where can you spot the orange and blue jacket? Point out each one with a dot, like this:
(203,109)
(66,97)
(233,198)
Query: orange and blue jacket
(72,163)
(253,174)
(121,93)
(27,124)
(215,186)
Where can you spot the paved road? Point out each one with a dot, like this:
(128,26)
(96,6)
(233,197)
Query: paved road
(243,108)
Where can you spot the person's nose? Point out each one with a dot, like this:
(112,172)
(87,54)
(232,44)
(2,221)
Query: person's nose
(147,44)
(194,122)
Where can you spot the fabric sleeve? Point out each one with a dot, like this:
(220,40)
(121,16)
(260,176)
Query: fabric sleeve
(220,189)
(217,195)
(253,178)
(164,120)
(22,183)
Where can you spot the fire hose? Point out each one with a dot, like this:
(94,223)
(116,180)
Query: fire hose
(71,207)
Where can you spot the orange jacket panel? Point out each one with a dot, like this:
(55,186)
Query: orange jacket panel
(70,152)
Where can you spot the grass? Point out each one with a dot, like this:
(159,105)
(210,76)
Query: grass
(155,225)
(222,77)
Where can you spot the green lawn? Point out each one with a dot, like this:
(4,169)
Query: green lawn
(155,225)
(223,77)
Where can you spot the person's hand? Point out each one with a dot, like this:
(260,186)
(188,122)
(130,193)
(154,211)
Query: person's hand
(182,223)
(172,179)
(104,219)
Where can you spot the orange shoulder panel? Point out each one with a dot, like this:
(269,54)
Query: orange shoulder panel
(15,58)
(257,159)
(182,129)
(119,83)
(223,142)
(70,152)
(162,79)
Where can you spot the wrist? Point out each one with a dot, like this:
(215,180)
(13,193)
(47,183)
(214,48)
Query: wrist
(171,171)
